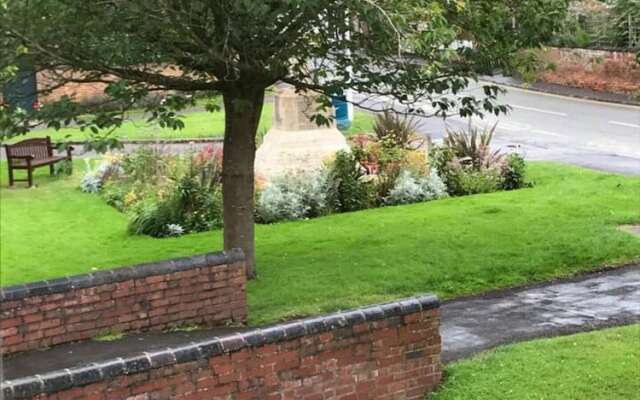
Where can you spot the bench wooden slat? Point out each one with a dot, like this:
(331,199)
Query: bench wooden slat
(30,154)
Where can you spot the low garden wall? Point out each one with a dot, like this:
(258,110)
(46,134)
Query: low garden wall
(206,289)
(390,351)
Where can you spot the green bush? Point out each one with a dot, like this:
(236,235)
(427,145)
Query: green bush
(63,168)
(146,164)
(467,164)
(572,34)
(473,147)
(483,180)
(347,188)
(153,218)
(528,65)
(190,209)
(513,172)
(114,194)
(199,206)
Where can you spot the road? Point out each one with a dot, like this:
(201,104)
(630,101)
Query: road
(603,136)
(542,126)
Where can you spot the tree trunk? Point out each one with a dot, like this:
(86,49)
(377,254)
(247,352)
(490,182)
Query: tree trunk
(243,107)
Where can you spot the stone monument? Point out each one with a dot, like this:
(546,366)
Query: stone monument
(295,143)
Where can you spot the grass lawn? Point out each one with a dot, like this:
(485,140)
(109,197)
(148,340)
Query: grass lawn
(566,224)
(198,124)
(602,365)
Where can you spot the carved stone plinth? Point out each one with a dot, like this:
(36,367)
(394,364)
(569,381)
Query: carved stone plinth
(294,143)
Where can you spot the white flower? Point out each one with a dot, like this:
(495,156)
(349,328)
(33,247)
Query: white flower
(174,230)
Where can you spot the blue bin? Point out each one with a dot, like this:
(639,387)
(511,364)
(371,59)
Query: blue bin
(342,112)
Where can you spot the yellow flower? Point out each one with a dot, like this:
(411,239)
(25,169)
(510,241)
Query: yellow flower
(130,198)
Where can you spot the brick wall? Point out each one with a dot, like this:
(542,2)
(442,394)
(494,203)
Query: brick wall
(84,93)
(51,90)
(602,70)
(207,289)
(391,351)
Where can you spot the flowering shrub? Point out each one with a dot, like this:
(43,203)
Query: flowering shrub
(292,197)
(468,165)
(474,181)
(513,172)
(277,203)
(433,187)
(348,190)
(163,194)
(95,176)
(170,195)
(411,189)
(395,146)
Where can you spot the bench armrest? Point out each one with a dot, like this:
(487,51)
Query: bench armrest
(67,149)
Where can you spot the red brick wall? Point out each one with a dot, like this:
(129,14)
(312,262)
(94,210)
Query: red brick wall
(207,290)
(382,352)
(84,93)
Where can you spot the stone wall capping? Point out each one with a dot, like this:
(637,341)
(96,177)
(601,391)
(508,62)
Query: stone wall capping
(17,292)
(131,299)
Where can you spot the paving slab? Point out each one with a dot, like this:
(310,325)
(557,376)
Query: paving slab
(70,355)
(594,301)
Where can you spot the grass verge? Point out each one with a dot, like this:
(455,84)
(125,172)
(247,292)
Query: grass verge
(198,125)
(601,365)
(566,224)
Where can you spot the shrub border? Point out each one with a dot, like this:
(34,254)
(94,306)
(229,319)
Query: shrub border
(59,285)
(56,381)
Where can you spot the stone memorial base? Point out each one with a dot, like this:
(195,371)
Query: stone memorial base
(285,152)
(294,143)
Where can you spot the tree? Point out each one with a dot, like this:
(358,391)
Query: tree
(238,48)
(624,25)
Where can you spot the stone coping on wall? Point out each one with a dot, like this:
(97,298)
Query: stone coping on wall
(107,276)
(56,381)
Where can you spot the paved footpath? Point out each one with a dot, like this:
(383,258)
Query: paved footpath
(586,303)
(468,325)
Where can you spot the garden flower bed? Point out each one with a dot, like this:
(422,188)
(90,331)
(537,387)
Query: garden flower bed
(171,195)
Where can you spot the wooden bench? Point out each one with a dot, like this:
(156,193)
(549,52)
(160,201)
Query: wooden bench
(30,154)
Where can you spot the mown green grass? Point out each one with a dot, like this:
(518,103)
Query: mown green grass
(602,365)
(198,125)
(567,223)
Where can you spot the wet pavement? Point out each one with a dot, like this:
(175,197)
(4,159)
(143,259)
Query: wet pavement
(79,354)
(590,302)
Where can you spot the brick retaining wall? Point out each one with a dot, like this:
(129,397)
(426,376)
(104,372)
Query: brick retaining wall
(391,351)
(206,289)
(600,70)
